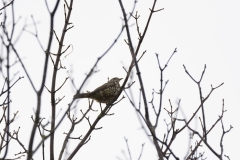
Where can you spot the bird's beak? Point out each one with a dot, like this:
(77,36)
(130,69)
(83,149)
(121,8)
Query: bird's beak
(120,79)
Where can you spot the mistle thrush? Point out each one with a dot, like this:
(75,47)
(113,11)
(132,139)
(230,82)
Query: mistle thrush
(103,94)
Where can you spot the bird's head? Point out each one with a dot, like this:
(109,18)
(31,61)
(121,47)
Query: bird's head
(115,79)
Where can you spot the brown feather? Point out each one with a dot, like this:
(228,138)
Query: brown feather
(82,95)
(104,86)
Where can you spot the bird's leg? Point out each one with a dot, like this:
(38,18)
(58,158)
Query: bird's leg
(100,106)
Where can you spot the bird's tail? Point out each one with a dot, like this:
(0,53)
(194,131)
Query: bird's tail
(82,95)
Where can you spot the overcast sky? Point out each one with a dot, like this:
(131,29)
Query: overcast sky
(204,32)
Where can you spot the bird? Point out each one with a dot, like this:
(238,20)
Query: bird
(103,94)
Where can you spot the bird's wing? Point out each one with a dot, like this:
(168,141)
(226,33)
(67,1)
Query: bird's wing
(104,86)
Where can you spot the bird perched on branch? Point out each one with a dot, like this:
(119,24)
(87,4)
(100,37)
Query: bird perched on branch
(103,94)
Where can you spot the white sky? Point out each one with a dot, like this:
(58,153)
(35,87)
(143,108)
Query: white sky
(204,32)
